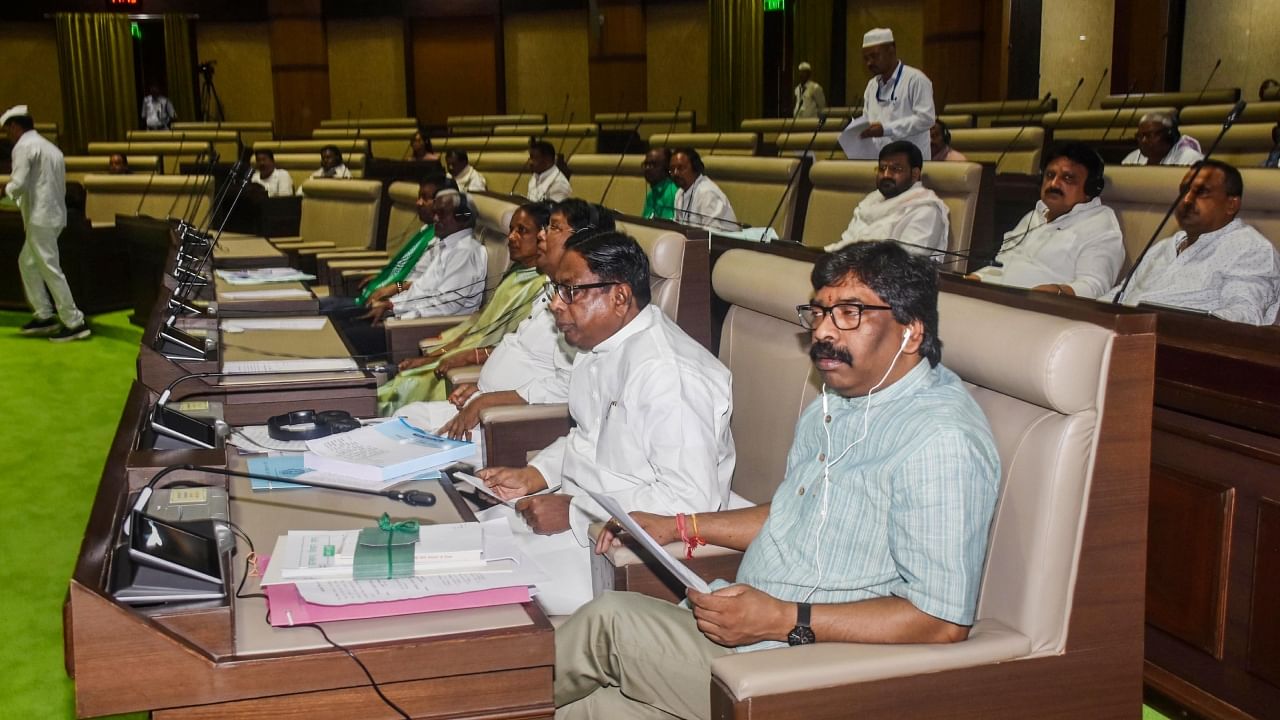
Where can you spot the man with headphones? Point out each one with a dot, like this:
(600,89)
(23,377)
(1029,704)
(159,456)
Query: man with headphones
(877,533)
(1160,143)
(940,145)
(1070,244)
(699,201)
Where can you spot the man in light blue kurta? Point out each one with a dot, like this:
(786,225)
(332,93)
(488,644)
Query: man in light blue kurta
(877,534)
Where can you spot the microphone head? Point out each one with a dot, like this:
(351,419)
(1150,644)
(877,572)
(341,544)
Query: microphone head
(1234,115)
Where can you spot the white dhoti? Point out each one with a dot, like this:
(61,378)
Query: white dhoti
(42,279)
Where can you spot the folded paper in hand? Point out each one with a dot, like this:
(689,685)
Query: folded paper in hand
(677,568)
(854,145)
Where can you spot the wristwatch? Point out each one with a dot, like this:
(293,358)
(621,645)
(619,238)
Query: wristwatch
(802,634)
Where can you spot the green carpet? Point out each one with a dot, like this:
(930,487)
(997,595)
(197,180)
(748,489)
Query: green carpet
(65,402)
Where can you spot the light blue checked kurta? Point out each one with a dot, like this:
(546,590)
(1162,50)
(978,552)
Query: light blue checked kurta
(908,508)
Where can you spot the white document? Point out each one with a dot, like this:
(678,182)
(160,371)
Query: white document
(384,451)
(479,485)
(283,323)
(445,548)
(288,365)
(256,438)
(282,294)
(677,568)
(856,147)
(258,276)
(349,592)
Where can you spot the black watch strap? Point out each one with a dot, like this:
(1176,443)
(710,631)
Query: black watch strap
(802,634)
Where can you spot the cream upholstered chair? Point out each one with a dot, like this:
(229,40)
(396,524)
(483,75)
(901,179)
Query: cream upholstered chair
(592,175)
(484,124)
(1174,99)
(251,131)
(730,143)
(839,185)
(1254,112)
(301,166)
(756,187)
(379,123)
(389,143)
(1067,388)
(226,142)
(1021,152)
(1245,145)
(173,154)
(1001,107)
(336,215)
(505,171)
(78,166)
(1097,125)
(568,140)
(159,196)
(648,123)
(770,128)
(825,144)
(342,271)
(957,121)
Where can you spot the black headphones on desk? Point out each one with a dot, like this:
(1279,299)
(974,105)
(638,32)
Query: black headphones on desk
(323,424)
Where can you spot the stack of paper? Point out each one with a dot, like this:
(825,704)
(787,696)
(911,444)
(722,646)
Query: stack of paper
(384,452)
(258,276)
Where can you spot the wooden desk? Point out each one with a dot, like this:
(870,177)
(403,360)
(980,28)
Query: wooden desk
(247,252)
(224,661)
(301,301)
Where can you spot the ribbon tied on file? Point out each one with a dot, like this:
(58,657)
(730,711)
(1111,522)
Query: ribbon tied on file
(386,551)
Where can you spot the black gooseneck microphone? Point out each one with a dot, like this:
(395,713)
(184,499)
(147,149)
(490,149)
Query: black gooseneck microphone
(822,120)
(1098,87)
(1208,80)
(1067,105)
(1026,118)
(1123,101)
(1226,125)
(675,117)
(151,178)
(621,158)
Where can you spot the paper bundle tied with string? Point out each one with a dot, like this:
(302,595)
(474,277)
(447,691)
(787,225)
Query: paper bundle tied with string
(386,551)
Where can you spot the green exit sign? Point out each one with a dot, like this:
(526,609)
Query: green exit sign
(775,5)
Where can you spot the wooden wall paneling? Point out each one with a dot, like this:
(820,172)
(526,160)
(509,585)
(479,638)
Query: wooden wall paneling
(953,49)
(617,61)
(299,67)
(1139,45)
(1188,545)
(457,67)
(1264,615)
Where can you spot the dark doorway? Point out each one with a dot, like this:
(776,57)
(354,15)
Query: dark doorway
(148,59)
(777,73)
(1024,49)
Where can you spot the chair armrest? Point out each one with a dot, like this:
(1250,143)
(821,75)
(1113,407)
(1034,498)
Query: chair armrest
(347,283)
(626,568)
(427,344)
(338,254)
(290,240)
(826,665)
(314,249)
(403,335)
(464,374)
(513,433)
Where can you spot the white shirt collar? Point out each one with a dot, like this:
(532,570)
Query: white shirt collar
(638,324)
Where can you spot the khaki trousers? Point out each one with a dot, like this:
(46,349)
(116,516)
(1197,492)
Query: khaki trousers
(625,655)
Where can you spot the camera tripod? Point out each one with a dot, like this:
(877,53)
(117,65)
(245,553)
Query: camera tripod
(210,104)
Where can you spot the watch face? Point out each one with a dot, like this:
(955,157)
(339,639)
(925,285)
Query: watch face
(801,635)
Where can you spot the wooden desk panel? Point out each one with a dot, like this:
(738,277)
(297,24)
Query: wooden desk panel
(247,252)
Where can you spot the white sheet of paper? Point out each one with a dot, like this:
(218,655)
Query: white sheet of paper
(258,276)
(677,568)
(479,485)
(284,323)
(855,147)
(283,293)
(288,365)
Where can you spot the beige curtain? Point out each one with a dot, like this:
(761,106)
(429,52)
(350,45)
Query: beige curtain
(736,60)
(95,60)
(178,66)
(811,38)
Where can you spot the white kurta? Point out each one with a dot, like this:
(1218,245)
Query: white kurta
(470,180)
(38,183)
(278,185)
(917,218)
(1185,152)
(1082,248)
(157,113)
(809,100)
(534,360)
(447,280)
(705,205)
(652,408)
(337,172)
(550,184)
(1232,273)
(903,106)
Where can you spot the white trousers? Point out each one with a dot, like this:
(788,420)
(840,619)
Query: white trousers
(42,277)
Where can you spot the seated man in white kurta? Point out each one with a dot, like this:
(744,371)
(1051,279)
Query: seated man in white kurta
(901,208)
(1160,143)
(652,408)
(1216,263)
(1071,243)
(699,201)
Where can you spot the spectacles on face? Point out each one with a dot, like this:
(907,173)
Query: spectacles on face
(845,315)
(569,293)
(892,168)
(558,228)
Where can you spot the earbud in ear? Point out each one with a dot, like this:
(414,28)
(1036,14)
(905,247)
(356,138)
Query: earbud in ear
(906,338)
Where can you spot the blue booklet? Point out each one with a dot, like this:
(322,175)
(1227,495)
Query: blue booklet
(387,451)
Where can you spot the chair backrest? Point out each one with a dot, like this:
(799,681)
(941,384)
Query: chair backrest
(493,217)
(845,112)
(484,124)
(1002,107)
(1141,195)
(839,185)
(738,143)
(679,276)
(301,166)
(957,121)
(755,185)
(174,154)
(1120,124)
(648,123)
(766,349)
(592,173)
(80,165)
(1245,145)
(402,218)
(159,196)
(225,142)
(378,123)
(477,144)
(1254,112)
(569,140)
(1043,397)
(825,146)
(390,143)
(251,131)
(770,128)
(986,145)
(344,212)
(502,169)
(1176,99)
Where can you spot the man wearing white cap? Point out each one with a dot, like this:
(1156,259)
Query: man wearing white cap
(39,186)
(810,102)
(898,101)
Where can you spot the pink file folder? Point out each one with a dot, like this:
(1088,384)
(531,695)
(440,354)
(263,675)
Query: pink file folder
(286,607)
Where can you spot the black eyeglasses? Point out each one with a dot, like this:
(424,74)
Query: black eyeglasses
(569,293)
(845,315)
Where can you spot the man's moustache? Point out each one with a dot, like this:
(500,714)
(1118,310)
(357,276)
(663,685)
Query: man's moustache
(824,350)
